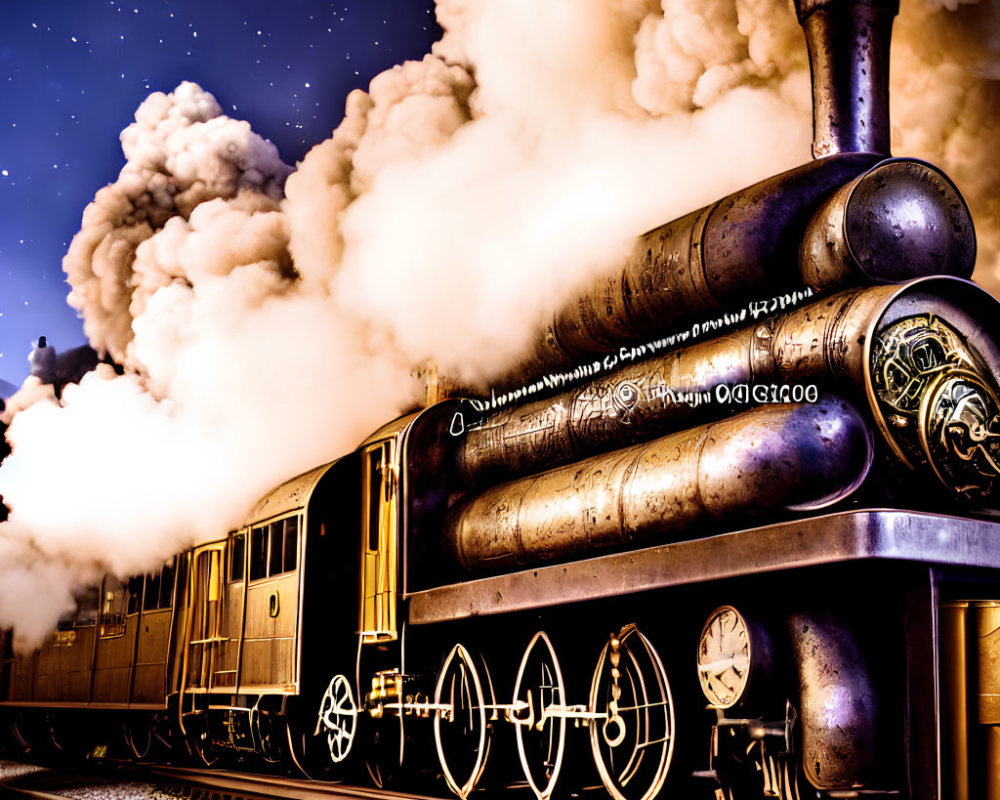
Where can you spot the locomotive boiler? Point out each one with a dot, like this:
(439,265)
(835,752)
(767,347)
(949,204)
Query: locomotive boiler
(726,533)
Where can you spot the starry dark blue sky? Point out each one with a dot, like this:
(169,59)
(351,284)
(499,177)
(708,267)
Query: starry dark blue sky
(72,73)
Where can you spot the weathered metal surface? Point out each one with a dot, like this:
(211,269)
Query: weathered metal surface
(901,219)
(849,57)
(777,457)
(837,702)
(934,339)
(828,539)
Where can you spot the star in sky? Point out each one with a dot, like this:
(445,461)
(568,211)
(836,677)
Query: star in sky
(72,75)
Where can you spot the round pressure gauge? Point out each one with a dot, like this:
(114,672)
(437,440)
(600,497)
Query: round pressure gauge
(724,657)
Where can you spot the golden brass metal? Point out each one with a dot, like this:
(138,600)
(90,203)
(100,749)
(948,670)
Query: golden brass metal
(802,456)
(955,693)
(988,692)
(387,689)
(988,651)
(931,388)
(379,573)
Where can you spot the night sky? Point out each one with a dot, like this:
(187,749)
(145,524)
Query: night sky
(72,73)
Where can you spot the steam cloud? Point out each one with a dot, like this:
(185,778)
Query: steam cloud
(267,319)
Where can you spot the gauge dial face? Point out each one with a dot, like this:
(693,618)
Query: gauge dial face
(724,657)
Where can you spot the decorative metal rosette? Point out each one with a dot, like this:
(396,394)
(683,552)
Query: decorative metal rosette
(939,401)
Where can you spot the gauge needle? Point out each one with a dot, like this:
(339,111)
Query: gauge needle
(715,667)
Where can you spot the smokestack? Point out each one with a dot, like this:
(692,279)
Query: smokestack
(43,361)
(849,59)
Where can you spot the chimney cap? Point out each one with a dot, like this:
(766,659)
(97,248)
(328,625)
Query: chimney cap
(803,8)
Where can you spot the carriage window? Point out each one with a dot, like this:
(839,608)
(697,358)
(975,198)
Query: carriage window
(134,594)
(291,543)
(274,565)
(258,553)
(237,557)
(87,603)
(152,597)
(112,617)
(167,585)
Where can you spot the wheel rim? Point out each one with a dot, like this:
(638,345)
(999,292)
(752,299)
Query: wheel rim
(633,746)
(540,684)
(462,730)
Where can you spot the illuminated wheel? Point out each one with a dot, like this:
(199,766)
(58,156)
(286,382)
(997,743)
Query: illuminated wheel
(634,742)
(541,740)
(461,730)
(338,718)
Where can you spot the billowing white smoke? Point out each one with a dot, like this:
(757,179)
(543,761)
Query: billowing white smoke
(581,137)
(945,106)
(457,204)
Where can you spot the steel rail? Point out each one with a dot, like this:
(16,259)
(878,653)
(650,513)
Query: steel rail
(146,782)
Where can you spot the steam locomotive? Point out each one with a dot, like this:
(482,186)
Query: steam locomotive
(697,538)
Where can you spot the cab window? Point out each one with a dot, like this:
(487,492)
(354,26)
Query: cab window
(237,557)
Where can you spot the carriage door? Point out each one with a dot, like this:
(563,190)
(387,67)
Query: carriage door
(378,550)
(206,595)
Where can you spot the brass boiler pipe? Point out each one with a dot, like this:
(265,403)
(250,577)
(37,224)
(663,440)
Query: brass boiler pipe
(826,339)
(782,456)
(821,225)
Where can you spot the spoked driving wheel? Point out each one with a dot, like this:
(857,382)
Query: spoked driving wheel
(461,731)
(541,739)
(633,741)
(338,718)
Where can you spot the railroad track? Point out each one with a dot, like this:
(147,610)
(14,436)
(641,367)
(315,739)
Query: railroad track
(127,782)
